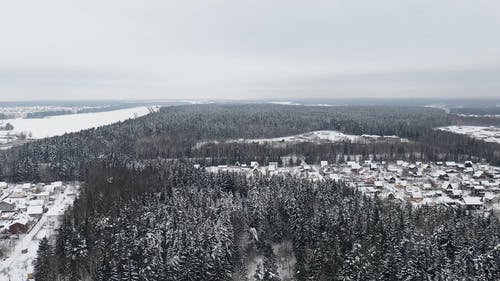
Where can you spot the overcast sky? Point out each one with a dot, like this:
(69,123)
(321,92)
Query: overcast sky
(124,49)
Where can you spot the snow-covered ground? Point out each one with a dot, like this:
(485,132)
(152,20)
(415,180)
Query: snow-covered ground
(321,137)
(488,134)
(61,124)
(21,252)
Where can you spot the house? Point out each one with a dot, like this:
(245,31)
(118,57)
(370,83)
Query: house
(444,176)
(478,175)
(478,190)
(373,166)
(3,185)
(379,184)
(390,196)
(323,164)
(449,186)
(222,167)
(59,187)
(427,186)
(416,196)
(19,226)
(196,166)
(7,207)
(450,164)
(491,198)
(237,164)
(256,171)
(305,167)
(455,194)
(273,166)
(254,164)
(37,202)
(469,170)
(392,180)
(26,186)
(43,196)
(472,203)
(401,184)
(468,164)
(369,190)
(355,167)
(35,211)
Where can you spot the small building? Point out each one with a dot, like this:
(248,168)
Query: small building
(18,226)
(392,180)
(450,164)
(273,166)
(323,164)
(3,185)
(472,203)
(455,194)
(379,184)
(35,211)
(254,164)
(7,207)
(305,167)
(415,194)
(478,190)
(478,175)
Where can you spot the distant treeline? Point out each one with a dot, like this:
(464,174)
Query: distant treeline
(494,110)
(173,132)
(43,114)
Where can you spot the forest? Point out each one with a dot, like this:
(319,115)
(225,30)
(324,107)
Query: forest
(166,220)
(145,213)
(175,131)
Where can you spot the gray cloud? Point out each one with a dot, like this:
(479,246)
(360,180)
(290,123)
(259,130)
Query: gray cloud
(58,49)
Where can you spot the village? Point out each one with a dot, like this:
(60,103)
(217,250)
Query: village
(472,185)
(29,212)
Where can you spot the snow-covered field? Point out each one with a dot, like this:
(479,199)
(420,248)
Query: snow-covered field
(316,137)
(61,124)
(488,134)
(325,136)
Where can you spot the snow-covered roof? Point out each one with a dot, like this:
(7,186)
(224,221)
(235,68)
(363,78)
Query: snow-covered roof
(22,221)
(34,210)
(36,202)
(472,200)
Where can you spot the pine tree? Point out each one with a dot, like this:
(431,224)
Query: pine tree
(43,264)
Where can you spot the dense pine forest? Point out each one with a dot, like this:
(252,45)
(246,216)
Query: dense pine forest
(145,213)
(175,131)
(169,221)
